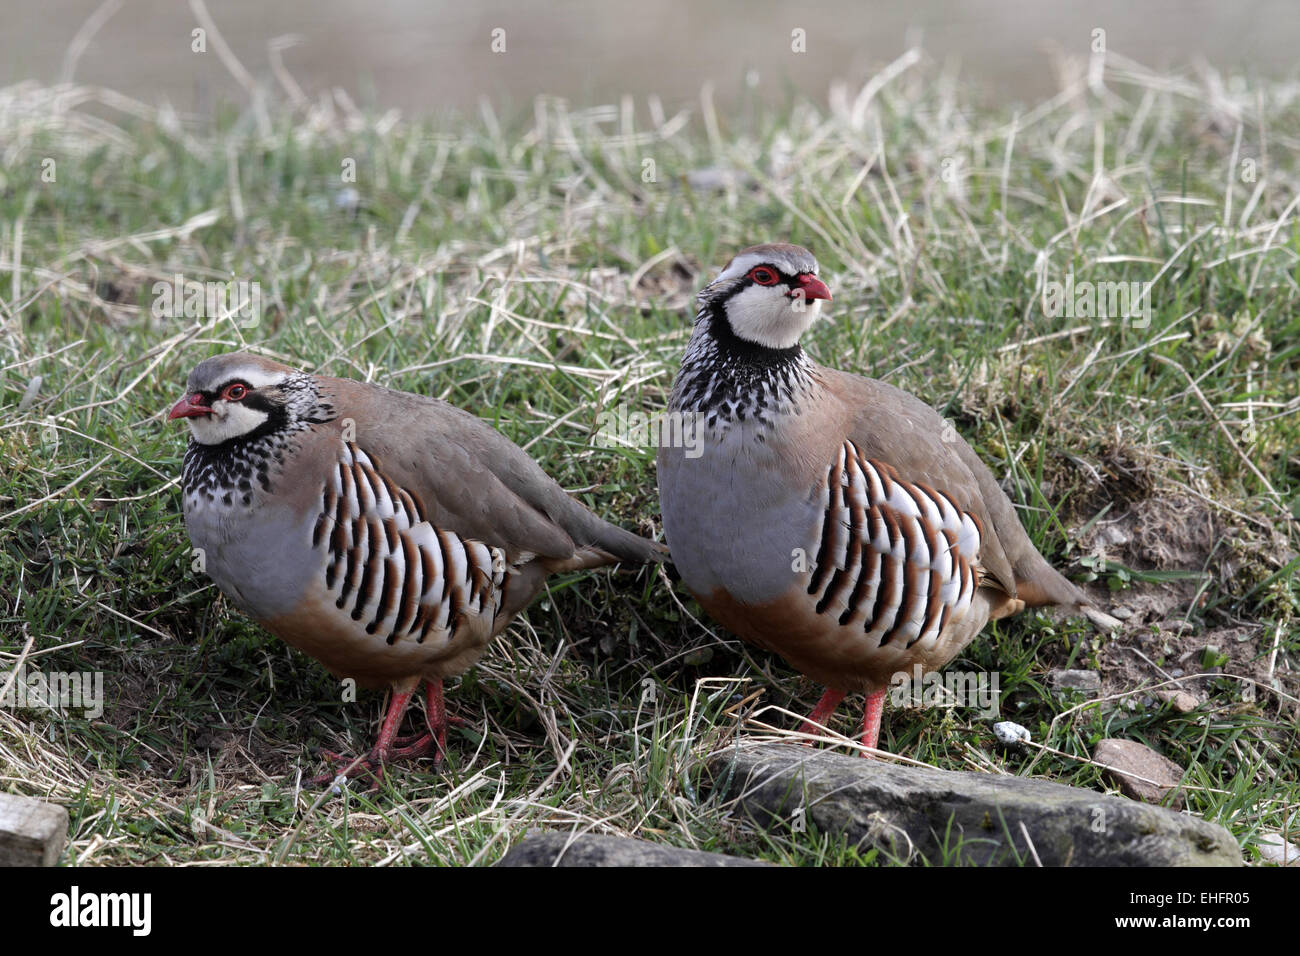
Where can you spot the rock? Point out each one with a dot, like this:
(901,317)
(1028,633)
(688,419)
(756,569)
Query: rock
(1140,761)
(939,816)
(1121,612)
(1274,849)
(548,848)
(1085,681)
(1112,534)
(1179,700)
(1011,733)
(32,832)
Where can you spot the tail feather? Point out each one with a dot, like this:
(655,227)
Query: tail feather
(592,556)
(1045,586)
(626,546)
(594,535)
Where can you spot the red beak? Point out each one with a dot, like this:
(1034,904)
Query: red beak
(812,287)
(191,406)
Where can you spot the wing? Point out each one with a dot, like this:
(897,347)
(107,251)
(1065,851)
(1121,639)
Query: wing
(922,447)
(915,447)
(472,479)
(391,571)
(894,557)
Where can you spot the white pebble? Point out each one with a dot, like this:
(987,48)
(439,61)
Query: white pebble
(1274,849)
(1009,732)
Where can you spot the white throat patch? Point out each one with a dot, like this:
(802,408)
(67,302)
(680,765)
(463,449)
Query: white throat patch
(768,316)
(228,420)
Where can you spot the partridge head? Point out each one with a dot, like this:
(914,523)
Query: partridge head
(825,516)
(389,535)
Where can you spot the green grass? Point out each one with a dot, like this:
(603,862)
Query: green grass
(492,264)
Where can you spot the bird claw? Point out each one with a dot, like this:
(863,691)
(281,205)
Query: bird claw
(347,769)
(420,746)
(390,747)
(374,764)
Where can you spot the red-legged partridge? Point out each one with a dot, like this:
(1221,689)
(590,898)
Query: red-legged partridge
(388,535)
(822,515)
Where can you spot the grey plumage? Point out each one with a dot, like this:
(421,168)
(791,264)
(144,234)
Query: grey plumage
(832,518)
(387,534)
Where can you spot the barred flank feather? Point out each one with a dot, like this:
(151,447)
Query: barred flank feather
(896,558)
(391,571)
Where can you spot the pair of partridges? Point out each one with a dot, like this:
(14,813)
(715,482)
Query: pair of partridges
(820,515)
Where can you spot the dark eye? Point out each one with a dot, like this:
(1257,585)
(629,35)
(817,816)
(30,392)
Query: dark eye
(235,393)
(763,275)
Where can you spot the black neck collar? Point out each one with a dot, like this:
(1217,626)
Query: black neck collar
(730,379)
(742,352)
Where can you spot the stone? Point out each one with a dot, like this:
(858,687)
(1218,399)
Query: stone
(1179,700)
(918,814)
(549,848)
(1128,760)
(32,832)
(1274,849)
(1011,733)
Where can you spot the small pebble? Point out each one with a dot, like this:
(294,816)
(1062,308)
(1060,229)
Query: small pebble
(1140,772)
(1121,612)
(1179,700)
(1274,849)
(1011,733)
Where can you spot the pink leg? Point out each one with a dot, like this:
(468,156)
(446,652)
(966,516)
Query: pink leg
(822,712)
(871,718)
(392,721)
(434,739)
(439,719)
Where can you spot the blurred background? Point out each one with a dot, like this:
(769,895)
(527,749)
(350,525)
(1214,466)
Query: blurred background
(423,56)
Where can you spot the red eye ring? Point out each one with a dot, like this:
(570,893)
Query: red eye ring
(235,392)
(763,275)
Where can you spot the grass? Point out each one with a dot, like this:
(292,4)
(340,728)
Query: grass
(525,269)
